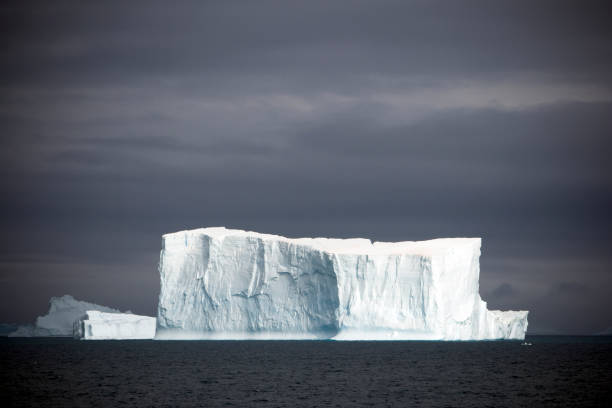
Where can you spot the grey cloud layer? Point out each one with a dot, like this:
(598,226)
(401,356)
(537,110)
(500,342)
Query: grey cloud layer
(401,121)
(236,38)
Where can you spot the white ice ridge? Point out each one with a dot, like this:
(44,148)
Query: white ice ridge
(95,325)
(222,283)
(63,311)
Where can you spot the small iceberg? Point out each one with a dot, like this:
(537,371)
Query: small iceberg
(63,311)
(95,325)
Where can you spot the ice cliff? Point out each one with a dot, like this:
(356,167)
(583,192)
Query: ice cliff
(222,283)
(95,325)
(63,311)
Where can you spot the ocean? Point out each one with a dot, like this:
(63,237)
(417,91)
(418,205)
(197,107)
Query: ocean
(552,371)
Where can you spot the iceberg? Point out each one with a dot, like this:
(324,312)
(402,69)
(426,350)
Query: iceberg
(7,328)
(96,325)
(63,311)
(234,284)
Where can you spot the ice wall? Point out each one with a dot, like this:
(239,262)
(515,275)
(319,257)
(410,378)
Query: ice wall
(95,325)
(222,283)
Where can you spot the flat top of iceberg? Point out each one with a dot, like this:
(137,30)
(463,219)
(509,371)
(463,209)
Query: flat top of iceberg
(123,317)
(334,245)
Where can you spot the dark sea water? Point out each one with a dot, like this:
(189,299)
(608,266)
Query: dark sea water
(553,371)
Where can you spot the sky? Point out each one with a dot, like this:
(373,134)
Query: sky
(390,120)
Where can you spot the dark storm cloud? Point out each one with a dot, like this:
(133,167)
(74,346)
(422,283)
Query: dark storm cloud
(503,290)
(401,121)
(467,38)
(570,288)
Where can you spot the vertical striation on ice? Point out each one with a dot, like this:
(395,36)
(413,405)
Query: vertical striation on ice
(96,325)
(223,283)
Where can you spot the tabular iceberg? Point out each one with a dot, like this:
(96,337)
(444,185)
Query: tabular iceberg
(222,283)
(95,325)
(63,311)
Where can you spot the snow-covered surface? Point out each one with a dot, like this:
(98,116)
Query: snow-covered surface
(95,325)
(63,311)
(222,283)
